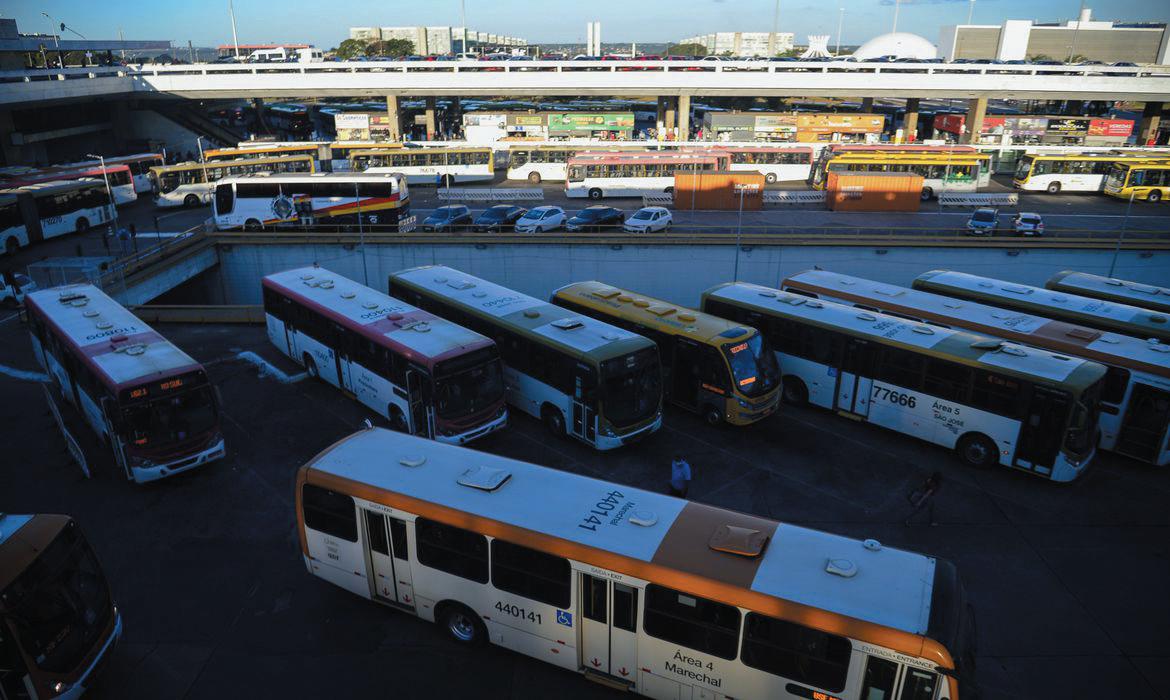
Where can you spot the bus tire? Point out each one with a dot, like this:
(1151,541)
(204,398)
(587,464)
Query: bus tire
(191,201)
(1053,188)
(311,367)
(977,450)
(11,245)
(668,190)
(793,390)
(461,624)
(712,416)
(397,419)
(554,420)
(82,225)
(770,178)
(1154,196)
(253,225)
(926,195)
(595,193)
(534,178)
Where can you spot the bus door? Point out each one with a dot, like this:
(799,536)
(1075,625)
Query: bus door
(289,313)
(109,411)
(854,383)
(583,424)
(1143,429)
(609,615)
(888,680)
(1043,430)
(389,578)
(421,419)
(342,344)
(683,387)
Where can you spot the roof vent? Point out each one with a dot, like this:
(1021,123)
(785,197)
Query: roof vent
(531,314)
(1115,283)
(351,295)
(441,280)
(952,305)
(872,545)
(611,336)
(770,295)
(394,317)
(606,293)
(479,294)
(567,324)
(733,332)
(846,282)
(135,349)
(867,317)
(625,298)
(1057,298)
(1157,319)
(793,300)
(924,330)
(325,284)
(987,345)
(1083,334)
(368,304)
(888,291)
(485,478)
(79,302)
(841,567)
(1154,345)
(1019,289)
(91,313)
(103,324)
(743,541)
(686,317)
(67,296)
(461,284)
(986,285)
(641,303)
(661,310)
(814,304)
(1013,350)
(412,461)
(644,518)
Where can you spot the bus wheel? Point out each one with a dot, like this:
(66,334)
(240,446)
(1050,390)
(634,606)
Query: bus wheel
(191,201)
(554,420)
(1053,188)
(252,225)
(770,178)
(11,245)
(927,193)
(397,420)
(534,178)
(595,193)
(794,391)
(82,225)
(712,416)
(1154,196)
(462,625)
(311,367)
(977,450)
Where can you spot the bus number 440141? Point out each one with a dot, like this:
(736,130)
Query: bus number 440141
(517,611)
(898,398)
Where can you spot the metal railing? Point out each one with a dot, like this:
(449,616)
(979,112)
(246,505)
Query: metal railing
(115,274)
(490,194)
(978,199)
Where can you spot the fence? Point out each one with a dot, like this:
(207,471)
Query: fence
(491,194)
(978,199)
(793,197)
(658,199)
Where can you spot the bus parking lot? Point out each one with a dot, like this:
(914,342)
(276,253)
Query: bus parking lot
(1067,580)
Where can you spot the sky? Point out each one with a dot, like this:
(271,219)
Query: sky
(325,24)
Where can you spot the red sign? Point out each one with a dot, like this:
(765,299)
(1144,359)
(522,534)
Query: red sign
(1111,127)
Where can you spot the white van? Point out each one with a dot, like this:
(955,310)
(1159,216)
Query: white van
(277,55)
(310,55)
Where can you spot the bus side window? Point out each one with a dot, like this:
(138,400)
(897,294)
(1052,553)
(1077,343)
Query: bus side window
(1116,382)
(918,685)
(696,623)
(452,549)
(532,574)
(329,512)
(878,682)
(796,652)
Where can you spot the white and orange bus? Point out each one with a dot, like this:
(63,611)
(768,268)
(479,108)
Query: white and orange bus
(119,178)
(606,174)
(775,163)
(144,397)
(427,376)
(636,590)
(58,622)
(138,163)
(320,200)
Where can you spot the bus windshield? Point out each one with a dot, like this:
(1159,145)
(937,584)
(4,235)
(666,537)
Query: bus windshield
(753,366)
(630,387)
(1023,168)
(462,392)
(1116,177)
(171,419)
(60,604)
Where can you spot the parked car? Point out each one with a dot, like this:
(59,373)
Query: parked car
(501,217)
(983,222)
(540,219)
(448,218)
(1028,224)
(596,218)
(649,219)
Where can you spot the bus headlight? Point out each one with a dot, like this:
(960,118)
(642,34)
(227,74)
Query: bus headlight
(60,687)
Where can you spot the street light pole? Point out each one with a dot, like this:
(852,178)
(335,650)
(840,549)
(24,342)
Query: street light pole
(199,145)
(1073,46)
(897,6)
(1121,236)
(235,41)
(772,38)
(109,192)
(361,234)
(970,10)
(840,25)
(738,231)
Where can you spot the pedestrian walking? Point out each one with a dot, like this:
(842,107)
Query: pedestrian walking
(680,477)
(923,497)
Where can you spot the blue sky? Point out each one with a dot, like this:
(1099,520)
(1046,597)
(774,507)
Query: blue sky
(326,23)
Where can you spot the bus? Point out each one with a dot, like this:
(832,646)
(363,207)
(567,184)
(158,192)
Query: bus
(262,149)
(819,174)
(121,182)
(596,175)
(1145,180)
(58,622)
(719,369)
(941,172)
(991,401)
(1147,296)
(1135,398)
(340,151)
(427,376)
(148,401)
(33,213)
(1068,172)
(257,202)
(138,163)
(776,164)
(1085,311)
(192,184)
(539,163)
(427,166)
(633,589)
(584,378)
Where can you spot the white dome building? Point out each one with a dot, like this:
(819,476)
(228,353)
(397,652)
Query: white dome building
(900,44)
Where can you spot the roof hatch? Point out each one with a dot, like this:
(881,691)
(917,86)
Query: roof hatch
(485,478)
(743,541)
(1083,334)
(661,309)
(607,293)
(567,324)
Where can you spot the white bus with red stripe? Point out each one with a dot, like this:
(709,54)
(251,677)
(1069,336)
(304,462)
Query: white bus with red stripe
(426,375)
(118,177)
(146,398)
(253,203)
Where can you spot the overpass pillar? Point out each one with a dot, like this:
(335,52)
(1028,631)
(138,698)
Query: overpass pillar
(866,105)
(13,154)
(455,118)
(666,119)
(261,120)
(684,117)
(910,123)
(430,117)
(976,110)
(1147,129)
(395,116)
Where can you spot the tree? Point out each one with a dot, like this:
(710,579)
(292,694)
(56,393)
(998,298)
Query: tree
(350,49)
(394,48)
(687,50)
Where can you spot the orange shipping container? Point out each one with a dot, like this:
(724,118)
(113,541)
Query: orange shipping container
(718,190)
(866,192)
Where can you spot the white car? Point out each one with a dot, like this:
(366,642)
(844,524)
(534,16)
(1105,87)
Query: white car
(649,219)
(541,219)
(1029,224)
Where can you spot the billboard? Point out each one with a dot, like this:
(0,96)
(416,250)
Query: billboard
(1121,128)
(776,124)
(841,123)
(351,121)
(1068,126)
(591,122)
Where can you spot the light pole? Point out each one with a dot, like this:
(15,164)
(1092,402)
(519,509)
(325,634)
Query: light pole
(775,27)
(840,25)
(738,231)
(110,193)
(1121,236)
(199,145)
(235,41)
(970,10)
(1073,46)
(463,19)
(361,234)
(897,6)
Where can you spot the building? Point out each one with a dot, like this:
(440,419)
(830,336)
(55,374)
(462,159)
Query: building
(1109,42)
(743,43)
(1039,130)
(898,44)
(438,40)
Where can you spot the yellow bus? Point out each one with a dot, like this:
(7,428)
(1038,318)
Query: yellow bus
(722,370)
(941,172)
(635,590)
(191,184)
(1148,180)
(428,166)
(263,150)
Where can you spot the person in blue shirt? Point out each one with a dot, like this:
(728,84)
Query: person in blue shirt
(680,477)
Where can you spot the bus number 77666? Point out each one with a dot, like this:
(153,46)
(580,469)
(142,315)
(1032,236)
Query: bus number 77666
(894,397)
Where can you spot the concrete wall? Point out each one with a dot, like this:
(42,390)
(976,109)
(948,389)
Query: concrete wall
(146,124)
(675,273)
(1108,45)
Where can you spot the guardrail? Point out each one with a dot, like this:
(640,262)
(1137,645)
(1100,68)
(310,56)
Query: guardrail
(793,197)
(115,274)
(165,313)
(491,194)
(978,199)
(658,199)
